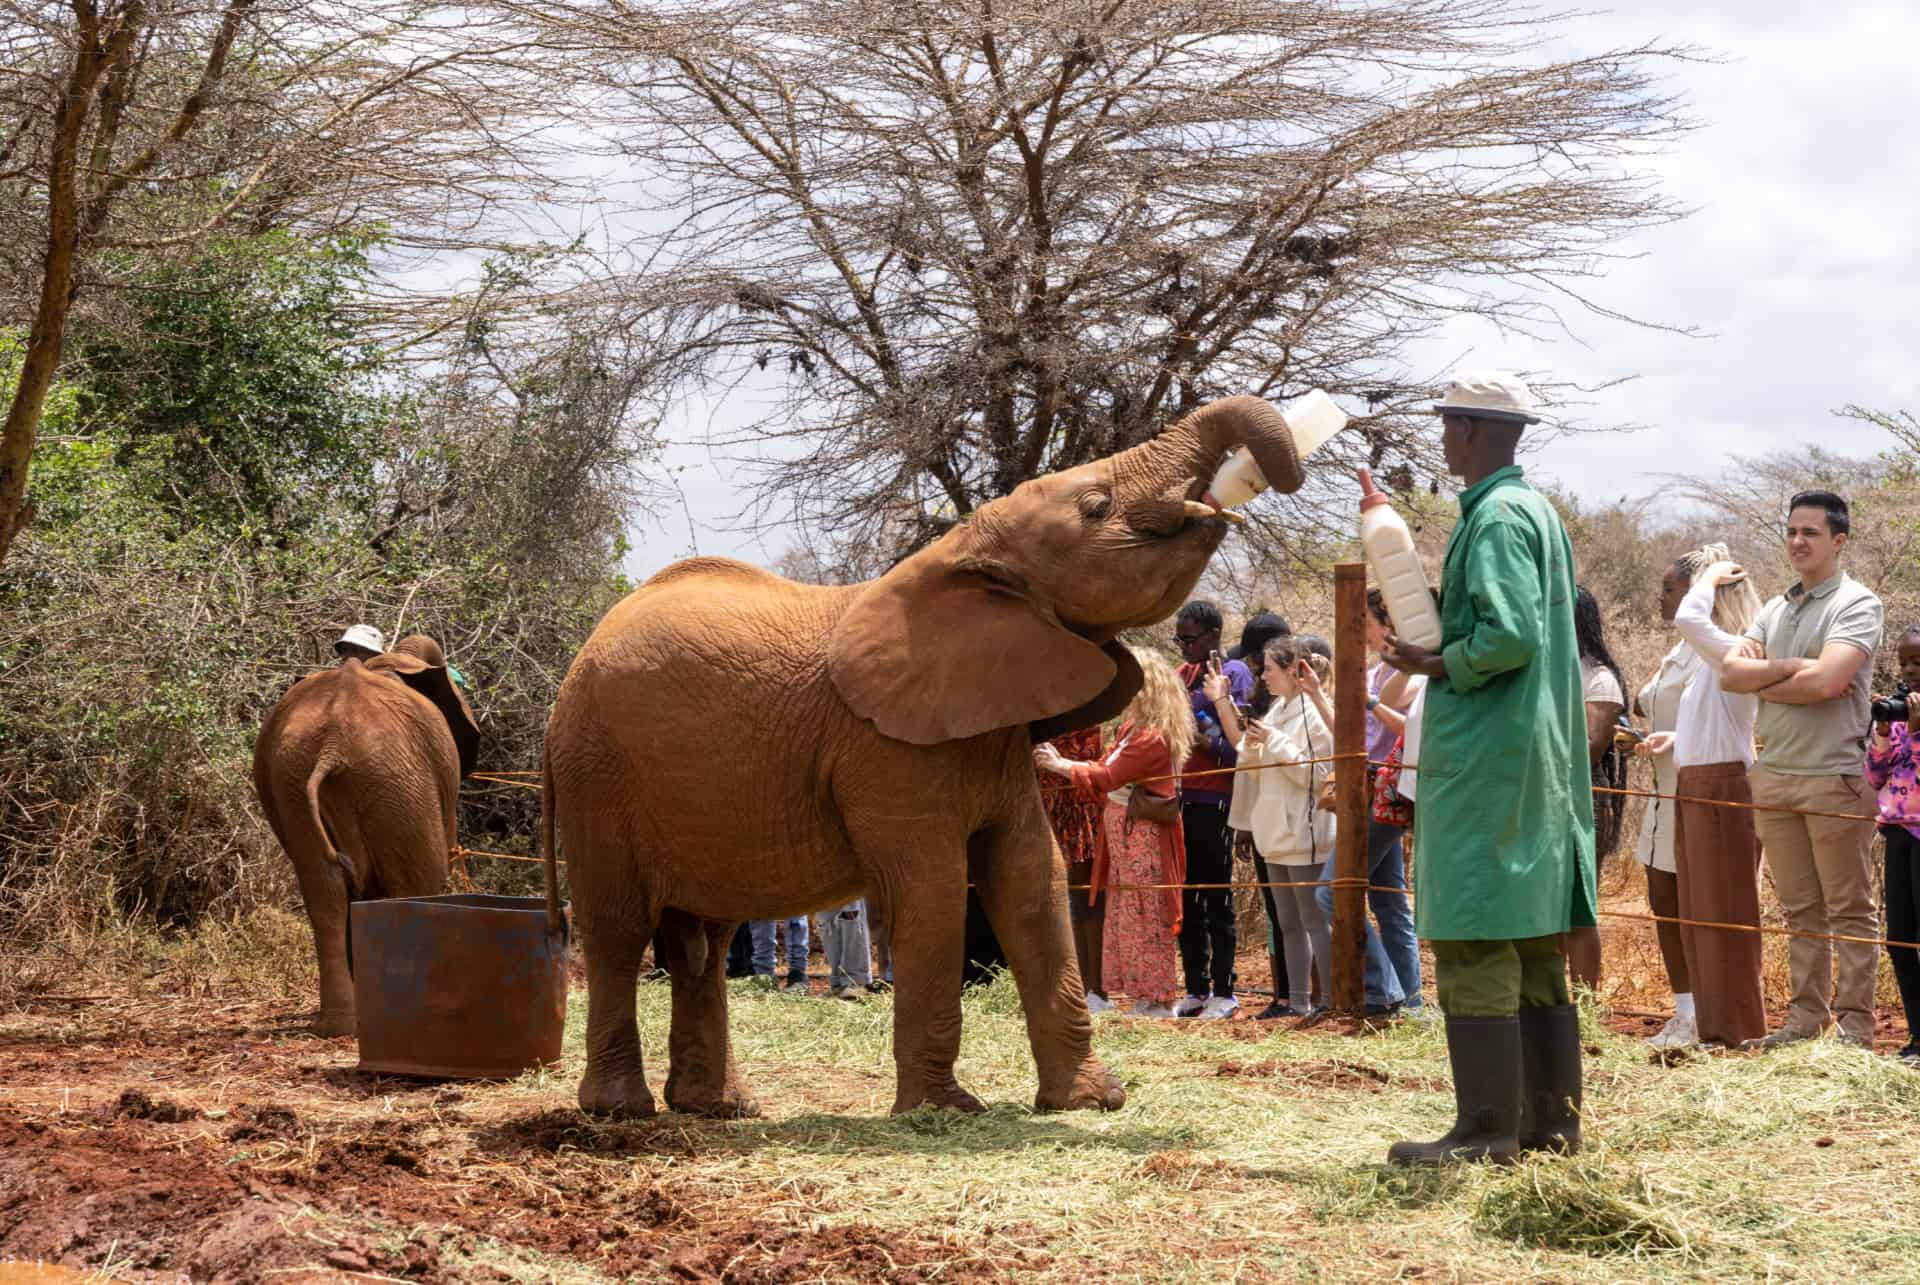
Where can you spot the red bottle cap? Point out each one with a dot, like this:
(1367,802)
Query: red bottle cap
(1371,497)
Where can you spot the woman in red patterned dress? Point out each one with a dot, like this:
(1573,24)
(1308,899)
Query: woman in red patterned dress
(1140,863)
(1075,818)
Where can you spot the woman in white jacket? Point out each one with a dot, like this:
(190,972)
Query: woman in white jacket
(1276,800)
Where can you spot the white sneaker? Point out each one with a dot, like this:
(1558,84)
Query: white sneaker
(1147,1008)
(1097,1003)
(1220,1006)
(1678,1033)
(1190,1006)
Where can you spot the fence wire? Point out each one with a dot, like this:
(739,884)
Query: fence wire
(512,779)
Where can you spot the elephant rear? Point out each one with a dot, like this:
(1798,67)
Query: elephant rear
(659,745)
(358,776)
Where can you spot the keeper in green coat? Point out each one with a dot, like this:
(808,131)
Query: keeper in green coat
(1504,822)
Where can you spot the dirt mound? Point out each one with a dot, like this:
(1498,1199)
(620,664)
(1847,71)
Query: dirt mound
(76,1196)
(1331,1074)
(135,1105)
(554,1131)
(262,1122)
(758,1254)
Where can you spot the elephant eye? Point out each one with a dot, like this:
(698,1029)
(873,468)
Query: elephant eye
(1095,505)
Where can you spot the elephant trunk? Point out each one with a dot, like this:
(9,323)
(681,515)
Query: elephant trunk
(1178,465)
(1207,434)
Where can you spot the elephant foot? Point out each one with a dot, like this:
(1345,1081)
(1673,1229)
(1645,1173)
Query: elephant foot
(708,1087)
(949,1095)
(624,1097)
(1094,1089)
(331,1026)
(734,1104)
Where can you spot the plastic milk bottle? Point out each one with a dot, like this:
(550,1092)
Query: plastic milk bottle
(1389,545)
(1313,418)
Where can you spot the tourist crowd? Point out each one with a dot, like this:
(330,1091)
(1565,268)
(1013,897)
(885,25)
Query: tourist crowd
(1765,743)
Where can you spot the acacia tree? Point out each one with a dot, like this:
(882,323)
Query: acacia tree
(147,126)
(978,240)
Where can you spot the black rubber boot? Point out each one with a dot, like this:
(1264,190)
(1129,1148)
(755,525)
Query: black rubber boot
(1550,1079)
(1485,1053)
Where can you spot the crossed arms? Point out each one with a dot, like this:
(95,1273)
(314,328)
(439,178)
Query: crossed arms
(1791,680)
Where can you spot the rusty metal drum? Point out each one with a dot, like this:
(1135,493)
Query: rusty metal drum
(464,986)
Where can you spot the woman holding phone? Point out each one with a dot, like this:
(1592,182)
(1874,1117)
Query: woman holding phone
(1277,801)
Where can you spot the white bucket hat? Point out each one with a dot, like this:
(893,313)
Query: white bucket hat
(1488,394)
(363,636)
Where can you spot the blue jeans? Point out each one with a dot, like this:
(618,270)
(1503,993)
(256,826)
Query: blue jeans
(844,941)
(763,945)
(1393,950)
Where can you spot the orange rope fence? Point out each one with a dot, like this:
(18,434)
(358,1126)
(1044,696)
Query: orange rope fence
(499,778)
(1638,916)
(504,778)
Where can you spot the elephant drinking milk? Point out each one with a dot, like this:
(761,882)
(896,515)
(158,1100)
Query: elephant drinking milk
(731,746)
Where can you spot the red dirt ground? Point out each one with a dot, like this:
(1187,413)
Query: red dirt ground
(211,1142)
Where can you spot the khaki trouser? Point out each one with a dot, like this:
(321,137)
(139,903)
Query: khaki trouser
(1499,978)
(1821,875)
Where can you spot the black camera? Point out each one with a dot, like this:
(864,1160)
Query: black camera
(1892,709)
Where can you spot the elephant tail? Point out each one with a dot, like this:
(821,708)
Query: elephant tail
(556,924)
(322,769)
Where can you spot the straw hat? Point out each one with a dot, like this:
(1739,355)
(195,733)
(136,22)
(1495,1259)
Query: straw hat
(1488,394)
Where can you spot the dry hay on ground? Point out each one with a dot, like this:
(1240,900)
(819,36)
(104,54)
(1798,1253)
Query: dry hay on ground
(211,1137)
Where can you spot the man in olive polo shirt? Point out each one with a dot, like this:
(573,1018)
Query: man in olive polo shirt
(1809,658)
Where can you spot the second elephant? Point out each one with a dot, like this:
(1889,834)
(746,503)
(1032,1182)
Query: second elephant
(358,771)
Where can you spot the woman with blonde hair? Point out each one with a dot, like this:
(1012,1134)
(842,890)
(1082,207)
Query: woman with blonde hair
(1140,859)
(1716,852)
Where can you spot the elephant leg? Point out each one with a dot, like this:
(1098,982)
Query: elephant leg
(323,886)
(701,1076)
(928,921)
(1022,883)
(615,929)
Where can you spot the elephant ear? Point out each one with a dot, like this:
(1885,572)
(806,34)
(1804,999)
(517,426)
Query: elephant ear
(945,647)
(434,683)
(1108,704)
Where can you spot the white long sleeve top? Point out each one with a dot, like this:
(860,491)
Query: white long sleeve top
(1715,725)
(1277,803)
(1659,700)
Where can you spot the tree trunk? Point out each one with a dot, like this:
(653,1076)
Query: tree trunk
(47,338)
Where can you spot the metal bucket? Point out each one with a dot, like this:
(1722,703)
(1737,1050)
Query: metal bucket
(464,986)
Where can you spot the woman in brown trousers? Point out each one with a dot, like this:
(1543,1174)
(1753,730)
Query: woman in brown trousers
(1716,853)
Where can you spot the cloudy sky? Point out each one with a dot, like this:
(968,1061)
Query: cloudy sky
(1798,267)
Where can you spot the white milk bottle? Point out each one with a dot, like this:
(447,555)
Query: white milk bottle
(1389,545)
(1313,418)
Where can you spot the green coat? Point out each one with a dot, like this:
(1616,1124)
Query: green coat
(1504,823)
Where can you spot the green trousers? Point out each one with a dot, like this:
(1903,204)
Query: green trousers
(1499,978)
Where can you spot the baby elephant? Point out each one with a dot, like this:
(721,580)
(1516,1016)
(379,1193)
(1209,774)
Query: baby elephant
(358,768)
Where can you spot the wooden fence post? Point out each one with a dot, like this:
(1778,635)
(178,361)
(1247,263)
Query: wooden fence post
(1348,969)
